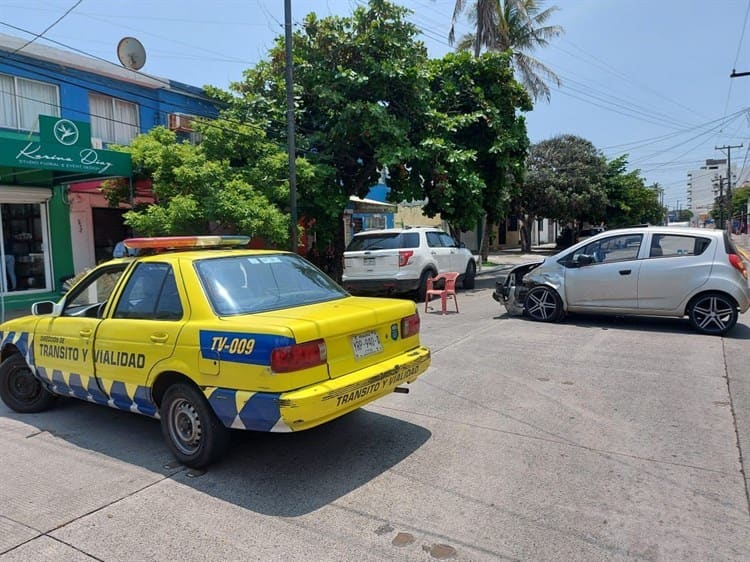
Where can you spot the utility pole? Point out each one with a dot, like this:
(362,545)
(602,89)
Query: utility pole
(729,148)
(721,200)
(290,123)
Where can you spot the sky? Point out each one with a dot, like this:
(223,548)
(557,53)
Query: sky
(646,78)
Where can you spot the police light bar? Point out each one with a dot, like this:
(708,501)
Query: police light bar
(169,242)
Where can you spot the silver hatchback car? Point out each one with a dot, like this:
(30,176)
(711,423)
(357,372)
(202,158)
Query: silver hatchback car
(648,271)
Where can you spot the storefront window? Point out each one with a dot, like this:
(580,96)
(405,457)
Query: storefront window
(24,248)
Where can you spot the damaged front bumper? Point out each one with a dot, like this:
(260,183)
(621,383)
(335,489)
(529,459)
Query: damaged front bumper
(510,290)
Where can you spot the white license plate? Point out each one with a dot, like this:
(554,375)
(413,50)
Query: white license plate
(369,261)
(366,344)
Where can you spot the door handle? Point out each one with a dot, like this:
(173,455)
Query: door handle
(85,333)
(625,272)
(159,338)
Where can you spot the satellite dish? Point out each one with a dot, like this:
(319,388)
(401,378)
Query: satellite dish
(131,53)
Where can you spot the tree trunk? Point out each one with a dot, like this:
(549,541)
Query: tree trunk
(525,231)
(484,246)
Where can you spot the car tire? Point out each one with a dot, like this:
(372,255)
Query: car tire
(543,304)
(194,434)
(470,275)
(422,289)
(20,390)
(713,313)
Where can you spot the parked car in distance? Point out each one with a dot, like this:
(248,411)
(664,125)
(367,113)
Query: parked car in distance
(589,232)
(207,335)
(649,271)
(400,260)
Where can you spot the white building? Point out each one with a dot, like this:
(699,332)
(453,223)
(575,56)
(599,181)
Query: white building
(703,187)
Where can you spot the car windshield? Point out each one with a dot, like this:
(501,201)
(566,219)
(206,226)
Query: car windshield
(257,283)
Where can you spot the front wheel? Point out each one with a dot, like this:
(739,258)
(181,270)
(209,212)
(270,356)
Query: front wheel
(20,389)
(713,313)
(470,275)
(194,434)
(543,304)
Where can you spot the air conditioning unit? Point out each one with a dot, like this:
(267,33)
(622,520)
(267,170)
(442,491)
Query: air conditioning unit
(180,122)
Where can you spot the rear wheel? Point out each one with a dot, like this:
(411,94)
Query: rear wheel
(422,289)
(543,304)
(470,275)
(20,389)
(713,313)
(194,434)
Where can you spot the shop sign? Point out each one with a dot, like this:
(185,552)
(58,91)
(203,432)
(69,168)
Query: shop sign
(64,145)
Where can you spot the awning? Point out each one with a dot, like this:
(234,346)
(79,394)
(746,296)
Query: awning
(371,206)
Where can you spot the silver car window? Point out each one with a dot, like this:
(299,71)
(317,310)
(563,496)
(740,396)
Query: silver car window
(671,245)
(613,248)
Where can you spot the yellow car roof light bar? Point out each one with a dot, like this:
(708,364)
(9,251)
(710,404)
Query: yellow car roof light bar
(187,242)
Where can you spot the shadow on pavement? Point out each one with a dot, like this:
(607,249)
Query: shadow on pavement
(284,474)
(633,323)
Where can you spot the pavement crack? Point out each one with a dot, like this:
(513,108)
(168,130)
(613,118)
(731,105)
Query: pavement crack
(559,441)
(49,535)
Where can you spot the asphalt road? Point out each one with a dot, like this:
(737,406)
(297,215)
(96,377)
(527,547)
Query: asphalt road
(592,439)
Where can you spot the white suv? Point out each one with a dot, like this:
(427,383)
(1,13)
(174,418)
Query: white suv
(400,260)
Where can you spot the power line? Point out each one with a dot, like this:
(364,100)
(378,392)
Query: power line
(50,26)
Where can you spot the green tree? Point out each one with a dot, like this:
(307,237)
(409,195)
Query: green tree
(629,200)
(566,180)
(740,198)
(684,215)
(517,26)
(473,142)
(361,87)
(201,189)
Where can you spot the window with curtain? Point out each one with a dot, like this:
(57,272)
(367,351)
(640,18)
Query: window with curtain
(113,120)
(22,101)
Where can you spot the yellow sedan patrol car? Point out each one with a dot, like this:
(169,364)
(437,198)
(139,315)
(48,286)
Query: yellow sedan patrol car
(207,337)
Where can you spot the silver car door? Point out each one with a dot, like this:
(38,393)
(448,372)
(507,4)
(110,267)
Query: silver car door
(675,266)
(611,281)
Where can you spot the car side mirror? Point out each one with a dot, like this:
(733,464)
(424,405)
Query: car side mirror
(42,308)
(579,260)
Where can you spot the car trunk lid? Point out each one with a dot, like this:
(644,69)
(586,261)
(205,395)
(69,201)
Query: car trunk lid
(358,332)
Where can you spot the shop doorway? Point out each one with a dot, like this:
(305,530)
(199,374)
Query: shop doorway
(109,229)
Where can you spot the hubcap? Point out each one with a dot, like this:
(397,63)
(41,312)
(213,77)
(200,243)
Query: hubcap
(541,304)
(712,314)
(185,426)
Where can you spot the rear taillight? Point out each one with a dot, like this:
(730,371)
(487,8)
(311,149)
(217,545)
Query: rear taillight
(404,256)
(297,357)
(410,325)
(738,264)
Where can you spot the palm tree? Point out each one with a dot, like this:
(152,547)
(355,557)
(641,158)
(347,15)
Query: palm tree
(517,26)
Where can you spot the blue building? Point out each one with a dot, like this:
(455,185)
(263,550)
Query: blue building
(372,212)
(59,112)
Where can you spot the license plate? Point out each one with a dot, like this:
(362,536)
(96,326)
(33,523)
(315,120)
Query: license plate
(366,344)
(369,261)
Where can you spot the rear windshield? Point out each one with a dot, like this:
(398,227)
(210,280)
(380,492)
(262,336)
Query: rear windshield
(381,241)
(257,283)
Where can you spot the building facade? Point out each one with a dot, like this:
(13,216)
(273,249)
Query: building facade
(704,185)
(59,114)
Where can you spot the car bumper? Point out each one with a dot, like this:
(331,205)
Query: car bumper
(380,286)
(508,296)
(319,403)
